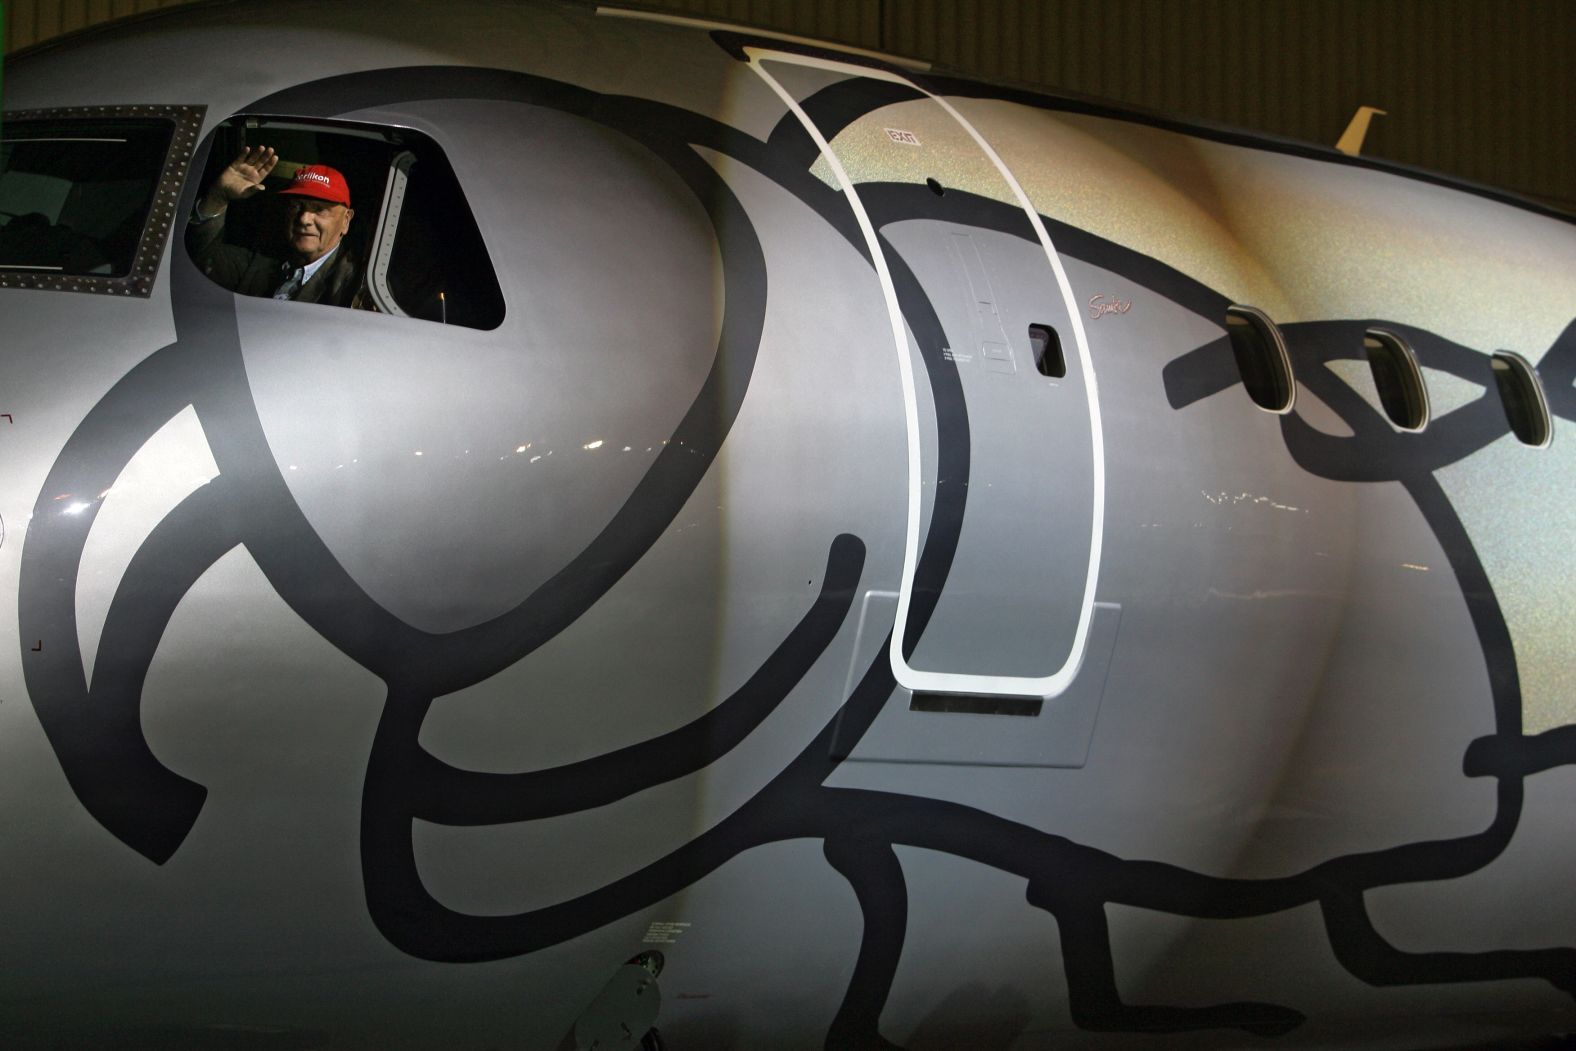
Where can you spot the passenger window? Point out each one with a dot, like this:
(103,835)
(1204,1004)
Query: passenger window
(1397,378)
(1526,408)
(1262,360)
(409,244)
(87,195)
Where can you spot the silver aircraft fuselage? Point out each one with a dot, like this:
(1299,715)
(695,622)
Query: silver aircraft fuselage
(841,557)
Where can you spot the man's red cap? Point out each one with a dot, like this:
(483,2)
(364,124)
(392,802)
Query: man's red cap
(320,181)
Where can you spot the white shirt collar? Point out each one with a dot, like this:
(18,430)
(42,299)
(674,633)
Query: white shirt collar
(312,267)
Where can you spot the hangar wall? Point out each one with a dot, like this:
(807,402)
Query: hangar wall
(30,21)
(1483,89)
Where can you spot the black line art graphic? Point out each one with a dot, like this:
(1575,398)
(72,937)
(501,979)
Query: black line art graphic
(96,734)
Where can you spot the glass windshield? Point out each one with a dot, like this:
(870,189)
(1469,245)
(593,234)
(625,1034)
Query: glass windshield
(411,248)
(75,194)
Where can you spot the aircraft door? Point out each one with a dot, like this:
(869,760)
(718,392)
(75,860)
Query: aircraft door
(1006,485)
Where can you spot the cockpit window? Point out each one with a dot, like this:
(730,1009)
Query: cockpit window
(74,194)
(395,233)
(86,196)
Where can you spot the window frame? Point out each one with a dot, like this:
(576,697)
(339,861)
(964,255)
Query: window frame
(381,251)
(162,211)
(1278,361)
(1538,403)
(1414,386)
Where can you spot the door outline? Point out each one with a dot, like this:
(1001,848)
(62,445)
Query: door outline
(910,678)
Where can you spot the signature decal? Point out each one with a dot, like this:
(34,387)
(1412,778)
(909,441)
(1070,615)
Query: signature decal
(1101,305)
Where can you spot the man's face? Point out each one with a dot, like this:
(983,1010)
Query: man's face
(315,227)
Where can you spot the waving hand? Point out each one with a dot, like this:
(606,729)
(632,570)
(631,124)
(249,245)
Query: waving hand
(242,178)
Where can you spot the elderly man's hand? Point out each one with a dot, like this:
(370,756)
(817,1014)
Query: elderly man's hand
(241,179)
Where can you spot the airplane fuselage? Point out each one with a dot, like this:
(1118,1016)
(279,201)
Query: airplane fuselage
(933,564)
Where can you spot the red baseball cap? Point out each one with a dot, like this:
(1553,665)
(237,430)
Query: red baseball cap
(320,181)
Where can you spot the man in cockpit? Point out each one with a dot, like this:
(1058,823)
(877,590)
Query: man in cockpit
(315,268)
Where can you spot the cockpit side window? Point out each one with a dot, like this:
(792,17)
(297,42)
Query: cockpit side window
(410,245)
(438,269)
(87,195)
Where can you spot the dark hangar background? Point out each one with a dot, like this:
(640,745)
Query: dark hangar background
(1481,89)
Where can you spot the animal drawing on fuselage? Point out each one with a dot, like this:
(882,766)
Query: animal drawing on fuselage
(152,809)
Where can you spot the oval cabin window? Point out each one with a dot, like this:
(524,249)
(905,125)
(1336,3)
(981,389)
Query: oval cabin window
(1262,360)
(1526,408)
(1399,381)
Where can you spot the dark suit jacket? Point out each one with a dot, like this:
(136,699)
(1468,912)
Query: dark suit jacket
(250,272)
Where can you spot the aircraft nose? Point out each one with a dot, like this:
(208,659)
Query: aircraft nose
(453,471)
